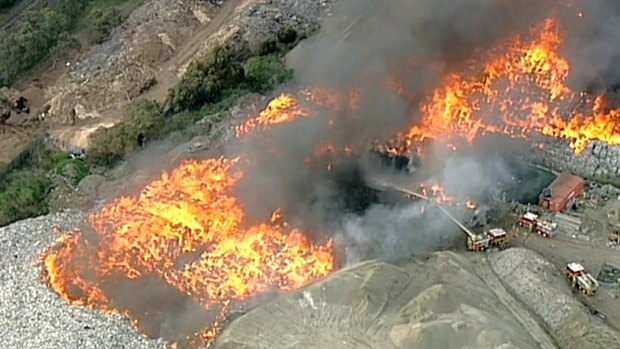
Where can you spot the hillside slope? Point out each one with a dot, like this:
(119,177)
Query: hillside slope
(436,302)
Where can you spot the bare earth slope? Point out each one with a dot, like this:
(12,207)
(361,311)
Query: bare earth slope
(438,302)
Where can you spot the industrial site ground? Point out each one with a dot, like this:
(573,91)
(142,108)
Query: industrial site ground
(436,294)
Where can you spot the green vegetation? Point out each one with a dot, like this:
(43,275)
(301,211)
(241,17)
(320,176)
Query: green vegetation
(192,107)
(6,4)
(209,87)
(25,187)
(32,41)
(102,22)
(46,32)
(110,145)
(266,72)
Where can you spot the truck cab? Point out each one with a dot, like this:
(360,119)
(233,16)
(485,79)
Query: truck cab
(580,279)
(498,236)
(546,228)
(478,242)
(527,220)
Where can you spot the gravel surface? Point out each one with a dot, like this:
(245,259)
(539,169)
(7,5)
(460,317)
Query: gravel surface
(540,286)
(262,19)
(31,316)
(525,271)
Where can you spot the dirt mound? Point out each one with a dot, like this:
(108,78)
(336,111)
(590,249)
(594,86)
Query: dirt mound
(435,302)
(126,65)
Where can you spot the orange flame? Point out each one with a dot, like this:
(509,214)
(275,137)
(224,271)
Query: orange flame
(281,109)
(189,212)
(525,83)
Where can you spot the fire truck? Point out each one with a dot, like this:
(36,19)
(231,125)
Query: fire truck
(580,279)
(495,237)
(528,220)
(534,223)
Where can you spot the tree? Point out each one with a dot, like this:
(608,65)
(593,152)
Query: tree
(266,72)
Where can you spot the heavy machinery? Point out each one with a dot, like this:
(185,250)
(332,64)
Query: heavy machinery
(580,279)
(614,238)
(527,220)
(534,223)
(495,237)
(545,228)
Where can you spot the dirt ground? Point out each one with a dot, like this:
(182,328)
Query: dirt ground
(21,128)
(561,251)
(435,301)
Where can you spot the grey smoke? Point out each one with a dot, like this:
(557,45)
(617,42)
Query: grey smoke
(360,46)
(386,232)
(591,44)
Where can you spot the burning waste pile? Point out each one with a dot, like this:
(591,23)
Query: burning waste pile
(285,205)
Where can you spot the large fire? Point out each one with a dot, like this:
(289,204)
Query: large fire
(187,229)
(521,89)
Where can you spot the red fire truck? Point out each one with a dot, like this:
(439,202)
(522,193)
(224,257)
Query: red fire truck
(495,237)
(528,220)
(546,228)
(534,223)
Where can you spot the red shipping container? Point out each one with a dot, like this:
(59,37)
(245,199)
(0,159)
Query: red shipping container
(562,192)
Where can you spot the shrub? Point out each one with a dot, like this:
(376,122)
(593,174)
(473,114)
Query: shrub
(107,146)
(72,169)
(207,80)
(5,4)
(102,22)
(267,72)
(287,35)
(22,49)
(268,47)
(145,117)
(24,195)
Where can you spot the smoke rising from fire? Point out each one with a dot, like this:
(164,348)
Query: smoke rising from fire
(593,31)
(368,47)
(362,46)
(220,231)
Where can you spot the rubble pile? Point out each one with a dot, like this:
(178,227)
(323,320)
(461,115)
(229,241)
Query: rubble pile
(32,317)
(125,65)
(599,160)
(255,21)
(128,63)
(537,283)
(262,19)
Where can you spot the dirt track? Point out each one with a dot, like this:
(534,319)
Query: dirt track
(167,76)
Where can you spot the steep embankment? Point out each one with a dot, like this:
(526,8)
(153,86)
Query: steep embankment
(436,302)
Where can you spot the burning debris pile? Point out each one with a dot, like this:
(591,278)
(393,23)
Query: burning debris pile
(520,91)
(188,230)
(212,235)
